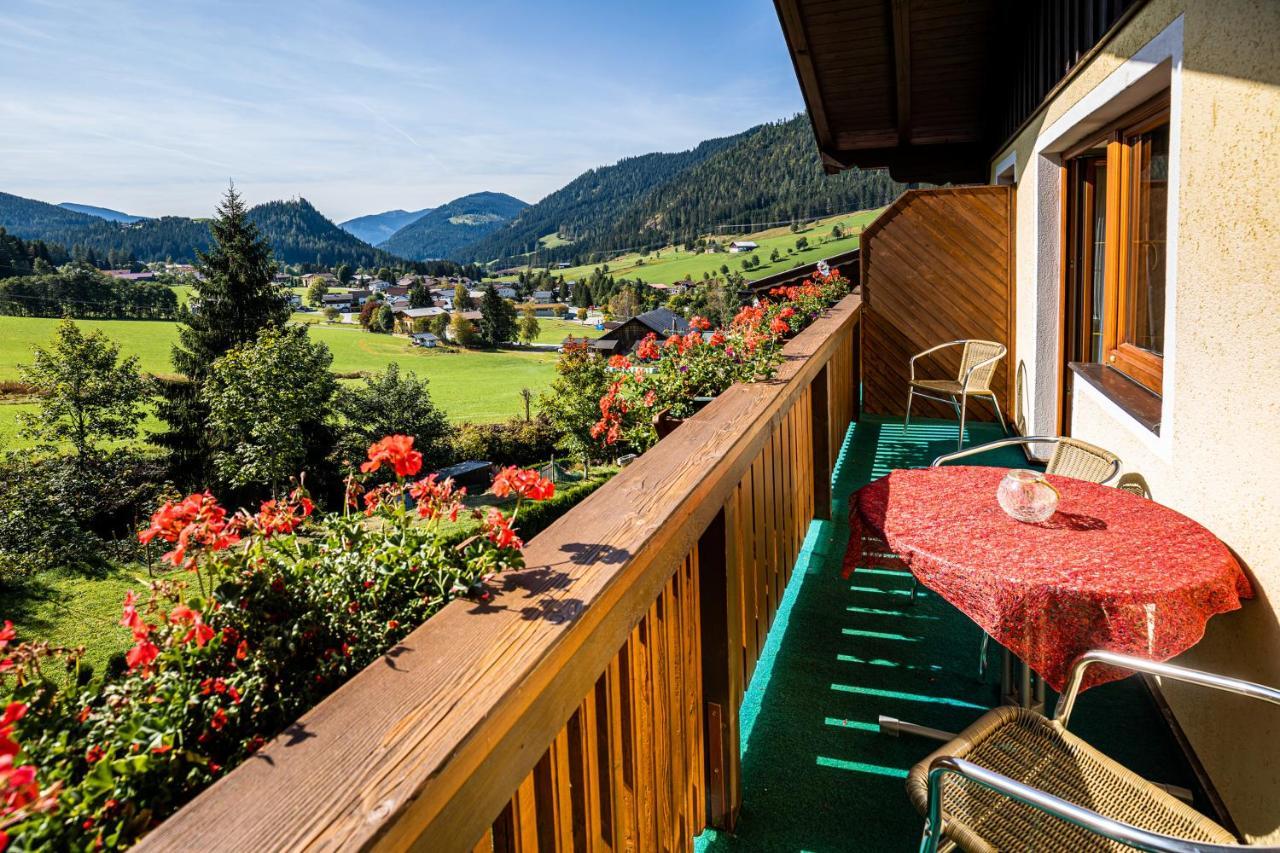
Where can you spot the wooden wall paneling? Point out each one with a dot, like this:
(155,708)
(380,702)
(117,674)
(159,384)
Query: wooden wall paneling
(937,265)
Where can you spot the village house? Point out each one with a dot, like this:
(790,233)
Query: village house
(406,316)
(543,296)
(128,275)
(622,338)
(738,246)
(473,316)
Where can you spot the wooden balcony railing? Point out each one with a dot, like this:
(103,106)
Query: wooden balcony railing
(593,704)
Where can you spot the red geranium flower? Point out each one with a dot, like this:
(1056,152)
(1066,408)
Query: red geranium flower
(219,719)
(283,517)
(13,712)
(396,451)
(699,323)
(497,528)
(779,326)
(142,655)
(648,349)
(437,498)
(619,362)
(525,482)
(197,520)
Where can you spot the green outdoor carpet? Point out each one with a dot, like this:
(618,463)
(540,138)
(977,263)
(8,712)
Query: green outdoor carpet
(817,775)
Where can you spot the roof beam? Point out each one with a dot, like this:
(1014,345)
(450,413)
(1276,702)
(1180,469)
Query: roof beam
(793,29)
(902,67)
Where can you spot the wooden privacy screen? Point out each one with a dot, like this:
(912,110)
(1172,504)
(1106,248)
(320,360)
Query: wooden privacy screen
(937,266)
(593,704)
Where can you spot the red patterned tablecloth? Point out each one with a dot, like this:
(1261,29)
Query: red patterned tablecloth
(1109,570)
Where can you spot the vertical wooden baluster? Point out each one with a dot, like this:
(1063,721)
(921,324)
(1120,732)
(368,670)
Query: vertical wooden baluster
(674,698)
(583,775)
(821,437)
(693,701)
(772,515)
(621,759)
(660,713)
(642,731)
(516,829)
(760,488)
(720,589)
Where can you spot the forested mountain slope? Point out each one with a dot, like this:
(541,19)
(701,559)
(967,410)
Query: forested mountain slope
(770,173)
(584,209)
(450,228)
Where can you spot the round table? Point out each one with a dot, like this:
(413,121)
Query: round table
(1109,570)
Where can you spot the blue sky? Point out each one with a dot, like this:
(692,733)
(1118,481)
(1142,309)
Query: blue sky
(149,107)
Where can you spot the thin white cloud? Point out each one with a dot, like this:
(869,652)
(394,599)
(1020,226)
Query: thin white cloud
(364,106)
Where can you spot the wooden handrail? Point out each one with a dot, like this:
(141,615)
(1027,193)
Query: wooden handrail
(424,748)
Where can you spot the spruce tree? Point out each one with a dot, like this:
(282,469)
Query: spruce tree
(497,318)
(233,299)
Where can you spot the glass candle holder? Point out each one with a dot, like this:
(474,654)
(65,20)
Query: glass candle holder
(1027,496)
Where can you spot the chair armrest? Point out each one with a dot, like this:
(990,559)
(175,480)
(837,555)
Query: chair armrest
(992,445)
(1062,714)
(912,362)
(1140,839)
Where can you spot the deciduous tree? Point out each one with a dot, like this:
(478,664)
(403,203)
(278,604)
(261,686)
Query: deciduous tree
(85,393)
(392,403)
(573,401)
(268,404)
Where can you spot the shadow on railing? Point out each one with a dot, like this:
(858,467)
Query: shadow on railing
(594,701)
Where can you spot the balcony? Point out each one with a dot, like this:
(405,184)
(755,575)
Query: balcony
(681,667)
(817,774)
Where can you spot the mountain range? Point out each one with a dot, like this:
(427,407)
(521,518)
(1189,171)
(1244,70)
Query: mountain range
(377,227)
(769,174)
(451,228)
(296,230)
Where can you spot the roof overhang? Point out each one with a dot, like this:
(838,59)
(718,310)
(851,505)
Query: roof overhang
(905,85)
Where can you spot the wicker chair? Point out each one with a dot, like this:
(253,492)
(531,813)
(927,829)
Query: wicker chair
(1071,456)
(978,362)
(1017,781)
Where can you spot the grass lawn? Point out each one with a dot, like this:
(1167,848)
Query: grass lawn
(555,331)
(552,240)
(74,608)
(469,385)
(672,264)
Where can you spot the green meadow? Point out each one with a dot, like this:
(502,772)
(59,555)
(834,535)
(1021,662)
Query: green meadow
(471,385)
(673,264)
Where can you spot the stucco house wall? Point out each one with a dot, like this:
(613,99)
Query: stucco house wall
(1217,456)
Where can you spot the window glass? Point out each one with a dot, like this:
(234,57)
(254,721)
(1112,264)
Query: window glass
(1147,251)
(1098,267)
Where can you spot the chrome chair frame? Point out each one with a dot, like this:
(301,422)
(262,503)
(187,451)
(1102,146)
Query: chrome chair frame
(1140,839)
(962,405)
(1009,442)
